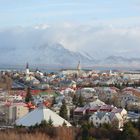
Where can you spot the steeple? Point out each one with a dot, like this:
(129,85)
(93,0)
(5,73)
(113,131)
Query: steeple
(110,72)
(36,70)
(27,65)
(78,66)
(27,69)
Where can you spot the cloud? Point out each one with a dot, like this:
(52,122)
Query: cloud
(99,41)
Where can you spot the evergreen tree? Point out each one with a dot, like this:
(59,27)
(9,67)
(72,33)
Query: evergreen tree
(28,97)
(138,125)
(63,110)
(53,100)
(50,122)
(129,132)
(85,132)
(43,124)
(75,99)
(64,123)
(81,101)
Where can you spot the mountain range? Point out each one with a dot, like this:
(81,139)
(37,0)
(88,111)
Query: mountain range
(56,55)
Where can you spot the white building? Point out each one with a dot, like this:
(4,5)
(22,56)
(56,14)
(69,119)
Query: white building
(40,114)
(100,118)
(15,111)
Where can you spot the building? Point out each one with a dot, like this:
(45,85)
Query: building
(40,114)
(27,69)
(14,111)
(79,112)
(100,118)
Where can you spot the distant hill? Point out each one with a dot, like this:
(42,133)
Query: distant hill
(119,60)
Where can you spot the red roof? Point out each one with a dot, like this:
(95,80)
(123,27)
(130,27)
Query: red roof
(106,107)
(79,109)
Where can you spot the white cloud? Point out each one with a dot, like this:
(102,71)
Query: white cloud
(99,41)
(42,26)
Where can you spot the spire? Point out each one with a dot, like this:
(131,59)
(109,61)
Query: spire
(27,65)
(78,66)
(110,72)
(27,69)
(36,70)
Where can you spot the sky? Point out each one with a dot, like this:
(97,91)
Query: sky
(32,12)
(99,28)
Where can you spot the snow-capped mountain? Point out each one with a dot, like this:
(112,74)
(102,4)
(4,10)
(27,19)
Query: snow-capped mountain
(119,60)
(46,54)
(56,54)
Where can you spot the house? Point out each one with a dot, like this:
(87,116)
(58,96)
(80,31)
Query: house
(106,108)
(96,118)
(67,91)
(130,98)
(87,93)
(117,120)
(133,75)
(100,118)
(94,106)
(132,116)
(15,98)
(67,83)
(15,111)
(122,111)
(93,109)
(79,112)
(32,79)
(96,102)
(108,93)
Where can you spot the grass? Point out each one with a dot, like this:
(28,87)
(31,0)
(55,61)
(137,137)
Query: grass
(61,133)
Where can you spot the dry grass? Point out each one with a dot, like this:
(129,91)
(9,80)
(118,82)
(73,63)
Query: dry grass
(16,136)
(61,133)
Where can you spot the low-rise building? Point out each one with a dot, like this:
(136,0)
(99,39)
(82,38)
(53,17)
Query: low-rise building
(14,111)
(100,118)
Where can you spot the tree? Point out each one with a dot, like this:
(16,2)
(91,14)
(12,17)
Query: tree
(43,124)
(75,99)
(64,123)
(81,101)
(8,81)
(50,122)
(28,97)
(63,110)
(85,131)
(53,100)
(129,132)
(138,125)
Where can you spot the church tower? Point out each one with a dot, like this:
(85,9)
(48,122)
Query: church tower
(27,69)
(79,67)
